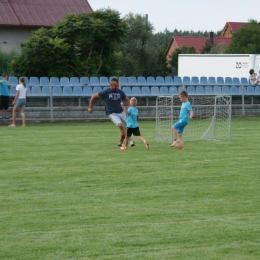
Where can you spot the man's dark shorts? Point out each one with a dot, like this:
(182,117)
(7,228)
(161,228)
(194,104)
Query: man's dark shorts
(134,131)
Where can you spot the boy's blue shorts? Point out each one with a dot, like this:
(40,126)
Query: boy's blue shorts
(179,126)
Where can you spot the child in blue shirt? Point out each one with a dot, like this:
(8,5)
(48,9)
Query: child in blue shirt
(132,123)
(186,114)
(4,97)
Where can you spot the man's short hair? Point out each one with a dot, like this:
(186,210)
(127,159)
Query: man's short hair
(114,79)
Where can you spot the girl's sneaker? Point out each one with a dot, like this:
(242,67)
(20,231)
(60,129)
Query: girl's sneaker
(123,148)
(11,125)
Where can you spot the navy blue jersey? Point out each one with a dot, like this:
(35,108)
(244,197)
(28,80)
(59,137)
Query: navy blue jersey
(112,100)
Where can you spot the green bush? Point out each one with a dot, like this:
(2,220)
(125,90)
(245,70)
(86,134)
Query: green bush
(5,60)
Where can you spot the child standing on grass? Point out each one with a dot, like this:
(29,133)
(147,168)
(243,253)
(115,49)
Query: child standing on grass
(186,113)
(19,101)
(132,123)
(4,97)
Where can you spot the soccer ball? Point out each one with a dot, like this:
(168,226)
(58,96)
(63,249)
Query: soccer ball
(178,144)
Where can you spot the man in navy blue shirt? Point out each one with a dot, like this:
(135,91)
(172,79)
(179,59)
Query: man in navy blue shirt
(112,98)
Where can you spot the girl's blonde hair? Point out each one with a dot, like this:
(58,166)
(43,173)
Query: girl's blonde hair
(21,79)
(133,101)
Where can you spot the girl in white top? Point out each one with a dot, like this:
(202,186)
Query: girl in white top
(19,101)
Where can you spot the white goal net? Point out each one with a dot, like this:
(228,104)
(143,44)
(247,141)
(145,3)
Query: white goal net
(212,118)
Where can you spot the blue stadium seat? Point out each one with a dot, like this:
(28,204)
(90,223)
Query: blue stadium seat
(195,81)
(186,81)
(57,91)
(77,91)
(46,91)
(160,81)
(146,92)
(180,89)
(104,81)
(74,82)
(209,90)
(228,81)
(151,81)
(106,87)
(191,90)
(12,91)
(44,81)
(94,82)
(1,78)
(123,81)
(236,81)
(13,80)
(173,90)
(257,90)
(97,89)
(136,91)
(168,81)
(127,91)
(203,81)
(226,90)
(132,81)
(200,90)
(212,81)
(33,81)
(217,90)
(64,81)
(220,81)
(141,81)
(67,91)
(84,81)
(164,91)
(36,91)
(235,91)
(155,91)
(245,82)
(250,90)
(87,91)
(54,81)
(177,81)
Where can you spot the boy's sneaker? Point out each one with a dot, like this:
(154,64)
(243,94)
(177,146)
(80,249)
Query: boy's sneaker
(11,125)
(6,117)
(147,145)
(1,117)
(132,143)
(123,148)
(119,145)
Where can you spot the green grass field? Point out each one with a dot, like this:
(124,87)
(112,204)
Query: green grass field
(68,192)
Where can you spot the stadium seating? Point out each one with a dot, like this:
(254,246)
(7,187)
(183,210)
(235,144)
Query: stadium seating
(57,91)
(250,90)
(228,81)
(74,82)
(87,91)
(141,81)
(146,92)
(112,77)
(97,89)
(212,81)
(13,80)
(235,91)
(12,91)
(94,82)
(64,82)
(104,81)
(173,90)
(195,81)
(77,91)
(164,91)
(217,90)
(33,81)
(54,81)
(226,90)
(44,81)
(132,81)
(191,90)
(123,81)
(155,91)
(46,91)
(220,81)
(186,81)
(203,81)
(244,82)
(136,91)
(236,81)
(36,91)
(84,81)
(67,91)
(160,81)
(257,90)
(26,80)
(168,81)
(151,81)
(177,81)
(209,90)
(127,91)
(200,90)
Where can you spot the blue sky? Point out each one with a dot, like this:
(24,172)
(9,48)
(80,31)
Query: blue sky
(186,15)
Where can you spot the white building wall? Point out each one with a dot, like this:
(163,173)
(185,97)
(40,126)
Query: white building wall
(12,38)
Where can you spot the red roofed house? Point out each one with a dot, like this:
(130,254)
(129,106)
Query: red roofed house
(199,42)
(18,18)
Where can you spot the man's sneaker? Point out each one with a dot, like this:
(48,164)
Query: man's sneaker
(132,143)
(11,125)
(119,145)
(147,145)
(173,144)
(6,117)
(123,148)
(1,117)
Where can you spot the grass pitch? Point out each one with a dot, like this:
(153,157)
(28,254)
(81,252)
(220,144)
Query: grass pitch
(68,192)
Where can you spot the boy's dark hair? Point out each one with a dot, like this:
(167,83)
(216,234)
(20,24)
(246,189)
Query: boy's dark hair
(4,75)
(114,79)
(251,71)
(183,94)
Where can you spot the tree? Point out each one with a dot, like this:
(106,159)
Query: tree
(173,63)
(81,44)
(219,48)
(246,39)
(206,48)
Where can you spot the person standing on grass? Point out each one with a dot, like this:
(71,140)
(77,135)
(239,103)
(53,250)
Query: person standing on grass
(132,123)
(186,113)
(19,101)
(112,98)
(4,97)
